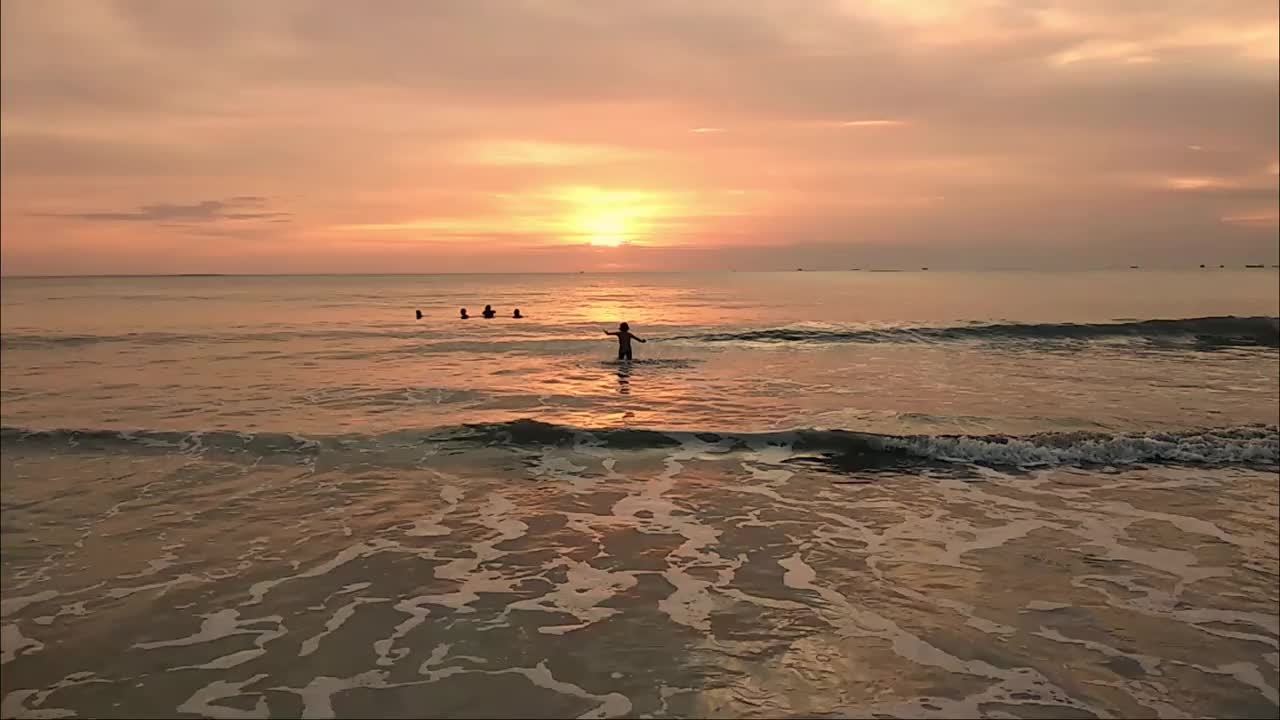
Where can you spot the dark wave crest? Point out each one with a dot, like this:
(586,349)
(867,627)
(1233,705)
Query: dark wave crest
(1203,332)
(1250,445)
(1226,331)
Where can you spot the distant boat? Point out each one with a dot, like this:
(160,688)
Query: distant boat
(924,268)
(1201,264)
(1255,266)
(1133,267)
(799,269)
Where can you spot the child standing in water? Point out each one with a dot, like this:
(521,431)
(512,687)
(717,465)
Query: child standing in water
(624,340)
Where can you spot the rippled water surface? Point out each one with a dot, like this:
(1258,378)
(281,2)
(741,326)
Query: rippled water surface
(908,494)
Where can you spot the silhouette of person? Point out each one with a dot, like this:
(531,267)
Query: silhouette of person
(517,314)
(624,340)
(463,313)
(418,313)
(488,313)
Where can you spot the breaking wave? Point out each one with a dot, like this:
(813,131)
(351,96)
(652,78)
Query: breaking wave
(1206,332)
(1213,331)
(1250,445)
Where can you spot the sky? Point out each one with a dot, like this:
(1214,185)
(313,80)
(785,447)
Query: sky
(318,136)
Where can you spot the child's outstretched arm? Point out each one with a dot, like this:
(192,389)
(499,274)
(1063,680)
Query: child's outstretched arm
(610,332)
(640,339)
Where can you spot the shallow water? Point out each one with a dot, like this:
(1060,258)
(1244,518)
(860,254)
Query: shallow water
(909,494)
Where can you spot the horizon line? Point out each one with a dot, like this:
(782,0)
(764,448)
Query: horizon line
(1206,266)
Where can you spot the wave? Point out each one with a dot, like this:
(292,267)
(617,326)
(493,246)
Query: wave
(1207,331)
(1204,332)
(1250,445)
(36,340)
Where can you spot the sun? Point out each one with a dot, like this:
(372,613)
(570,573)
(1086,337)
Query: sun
(611,218)
(605,229)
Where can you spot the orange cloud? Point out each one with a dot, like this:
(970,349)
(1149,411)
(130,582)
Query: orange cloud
(1197,183)
(645,128)
(535,152)
(873,123)
(1260,219)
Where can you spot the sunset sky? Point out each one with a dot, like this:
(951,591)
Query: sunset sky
(550,135)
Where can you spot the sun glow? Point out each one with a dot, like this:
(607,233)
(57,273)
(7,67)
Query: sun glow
(606,230)
(610,218)
(577,215)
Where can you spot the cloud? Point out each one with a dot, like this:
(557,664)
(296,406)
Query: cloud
(873,123)
(1265,219)
(840,120)
(1124,52)
(1198,183)
(1219,187)
(207,211)
(535,152)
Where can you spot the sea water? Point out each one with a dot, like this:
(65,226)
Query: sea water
(914,494)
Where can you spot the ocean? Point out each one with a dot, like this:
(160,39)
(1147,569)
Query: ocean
(853,494)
